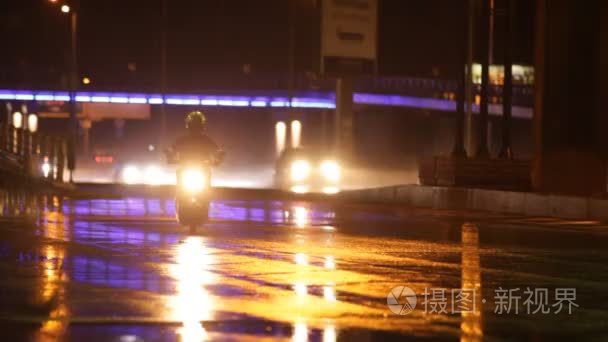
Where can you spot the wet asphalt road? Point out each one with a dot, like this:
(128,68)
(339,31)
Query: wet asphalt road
(123,270)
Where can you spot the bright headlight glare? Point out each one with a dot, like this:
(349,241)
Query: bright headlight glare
(153,175)
(300,170)
(46,169)
(331,190)
(330,170)
(193,180)
(131,174)
(299,189)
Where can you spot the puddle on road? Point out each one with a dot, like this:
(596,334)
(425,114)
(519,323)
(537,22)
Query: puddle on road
(259,269)
(196,287)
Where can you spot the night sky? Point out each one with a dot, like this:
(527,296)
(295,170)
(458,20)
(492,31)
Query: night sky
(211,40)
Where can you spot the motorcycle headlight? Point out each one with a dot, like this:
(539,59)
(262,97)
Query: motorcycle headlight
(330,170)
(300,170)
(193,180)
(131,174)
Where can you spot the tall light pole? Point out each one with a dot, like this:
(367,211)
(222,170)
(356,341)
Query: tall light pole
(482,129)
(163,70)
(72,10)
(506,150)
(459,149)
(472,7)
(291,44)
(73,88)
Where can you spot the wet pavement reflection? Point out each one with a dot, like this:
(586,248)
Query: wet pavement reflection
(123,270)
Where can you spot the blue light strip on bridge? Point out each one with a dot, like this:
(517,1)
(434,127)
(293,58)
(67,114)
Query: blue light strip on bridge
(173,99)
(326,102)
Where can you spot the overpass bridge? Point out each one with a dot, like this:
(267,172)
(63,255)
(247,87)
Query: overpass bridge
(406,92)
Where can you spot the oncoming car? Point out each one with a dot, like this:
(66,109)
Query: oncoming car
(303,170)
(144,173)
(144,166)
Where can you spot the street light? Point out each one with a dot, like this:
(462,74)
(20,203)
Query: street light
(296,133)
(280,136)
(73,84)
(17,120)
(86,80)
(32,122)
(17,124)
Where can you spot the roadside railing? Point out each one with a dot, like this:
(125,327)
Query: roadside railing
(32,154)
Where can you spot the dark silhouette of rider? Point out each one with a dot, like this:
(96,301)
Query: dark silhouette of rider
(195,145)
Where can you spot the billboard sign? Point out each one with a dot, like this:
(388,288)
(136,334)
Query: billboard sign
(56,109)
(349,36)
(94,111)
(126,111)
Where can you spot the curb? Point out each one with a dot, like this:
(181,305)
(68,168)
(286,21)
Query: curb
(509,202)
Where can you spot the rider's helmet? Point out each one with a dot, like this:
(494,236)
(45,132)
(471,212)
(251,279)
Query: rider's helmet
(195,121)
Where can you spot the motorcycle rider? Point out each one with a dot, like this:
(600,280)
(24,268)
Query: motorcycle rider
(195,145)
(191,152)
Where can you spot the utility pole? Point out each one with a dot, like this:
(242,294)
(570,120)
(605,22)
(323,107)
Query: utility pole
(491,29)
(507,93)
(458,149)
(482,129)
(290,64)
(469,80)
(73,121)
(163,71)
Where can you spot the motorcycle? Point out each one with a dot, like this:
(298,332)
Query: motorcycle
(193,190)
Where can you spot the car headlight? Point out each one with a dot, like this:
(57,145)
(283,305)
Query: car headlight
(131,174)
(300,170)
(193,180)
(153,175)
(331,190)
(299,189)
(46,167)
(330,170)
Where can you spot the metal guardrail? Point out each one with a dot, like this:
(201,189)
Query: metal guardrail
(32,154)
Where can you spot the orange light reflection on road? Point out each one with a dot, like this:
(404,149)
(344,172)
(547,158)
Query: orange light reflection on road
(300,331)
(301,259)
(192,303)
(53,279)
(329,293)
(471,324)
(300,216)
(329,262)
(300,288)
(329,333)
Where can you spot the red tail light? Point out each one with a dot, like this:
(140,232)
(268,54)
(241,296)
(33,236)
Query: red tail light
(104,159)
